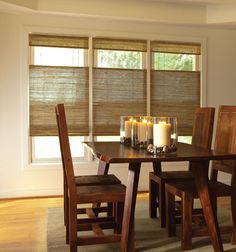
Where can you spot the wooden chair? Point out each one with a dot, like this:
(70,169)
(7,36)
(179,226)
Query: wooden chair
(225,140)
(104,179)
(86,193)
(202,137)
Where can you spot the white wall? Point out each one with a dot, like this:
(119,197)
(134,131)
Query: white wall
(17,176)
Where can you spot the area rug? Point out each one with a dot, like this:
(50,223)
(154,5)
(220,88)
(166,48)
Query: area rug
(148,234)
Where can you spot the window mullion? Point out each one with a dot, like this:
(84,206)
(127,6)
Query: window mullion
(90,60)
(148,69)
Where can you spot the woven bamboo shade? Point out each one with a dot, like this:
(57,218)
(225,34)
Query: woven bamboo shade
(176,93)
(175,47)
(117,92)
(52,85)
(120,44)
(58,41)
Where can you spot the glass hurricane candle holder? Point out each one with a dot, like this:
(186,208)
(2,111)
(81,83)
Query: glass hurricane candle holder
(125,129)
(141,134)
(164,135)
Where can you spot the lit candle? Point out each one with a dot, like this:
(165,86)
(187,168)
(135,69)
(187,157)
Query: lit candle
(161,134)
(149,130)
(128,127)
(142,131)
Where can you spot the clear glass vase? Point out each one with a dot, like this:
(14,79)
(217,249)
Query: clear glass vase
(165,135)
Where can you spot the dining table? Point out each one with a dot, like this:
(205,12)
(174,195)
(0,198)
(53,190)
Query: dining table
(198,158)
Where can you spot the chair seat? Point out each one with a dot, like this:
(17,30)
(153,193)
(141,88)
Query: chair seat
(217,188)
(172,175)
(96,180)
(100,193)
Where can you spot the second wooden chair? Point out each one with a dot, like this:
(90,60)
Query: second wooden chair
(202,137)
(225,141)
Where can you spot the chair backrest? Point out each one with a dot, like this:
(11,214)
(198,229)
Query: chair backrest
(65,148)
(203,127)
(225,140)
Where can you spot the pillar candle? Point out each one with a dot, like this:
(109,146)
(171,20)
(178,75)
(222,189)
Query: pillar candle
(161,134)
(142,131)
(128,127)
(149,130)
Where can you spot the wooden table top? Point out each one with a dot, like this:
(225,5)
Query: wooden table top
(115,152)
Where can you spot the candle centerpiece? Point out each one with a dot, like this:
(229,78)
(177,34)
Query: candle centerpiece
(164,135)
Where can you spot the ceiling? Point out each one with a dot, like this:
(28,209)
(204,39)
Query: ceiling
(216,13)
(199,2)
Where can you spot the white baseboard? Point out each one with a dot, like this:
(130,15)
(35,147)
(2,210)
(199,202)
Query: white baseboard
(30,193)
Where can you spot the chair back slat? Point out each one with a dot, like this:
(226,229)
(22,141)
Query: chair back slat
(203,127)
(225,139)
(65,148)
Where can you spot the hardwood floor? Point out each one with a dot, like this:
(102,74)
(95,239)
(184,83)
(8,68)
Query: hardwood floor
(23,222)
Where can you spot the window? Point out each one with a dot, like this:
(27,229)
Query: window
(119,82)
(119,59)
(174,61)
(114,84)
(175,82)
(58,74)
(52,153)
(53,56)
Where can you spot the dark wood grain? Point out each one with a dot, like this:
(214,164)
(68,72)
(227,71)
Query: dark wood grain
(114,152)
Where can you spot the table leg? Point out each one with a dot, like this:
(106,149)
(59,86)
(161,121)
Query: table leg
(103,167)
(233,210)
(127,234)
(200,174)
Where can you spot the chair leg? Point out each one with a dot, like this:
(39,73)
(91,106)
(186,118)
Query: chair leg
(119,209)
(186,236)
(153,198)
(66,215)
(110,209)
(65,203)
(233,211)
(73,228)
(162,204)
(214,203)
(170,214)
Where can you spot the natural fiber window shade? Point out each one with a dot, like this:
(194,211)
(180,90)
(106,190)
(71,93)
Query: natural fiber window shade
(52,85)
(120,44)
(117,92)
(58,41)
(176,47)
(175,93)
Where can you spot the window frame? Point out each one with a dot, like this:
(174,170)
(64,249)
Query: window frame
(202,98)
(55,160)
